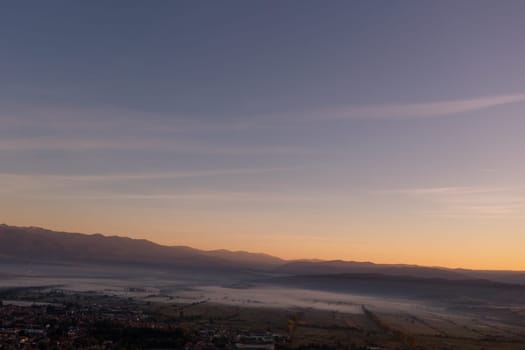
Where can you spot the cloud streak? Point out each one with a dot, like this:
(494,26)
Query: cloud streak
(206,196)
(92,130)
(418,110)
(138,176)
(70,187)
(123,143)
(468,202)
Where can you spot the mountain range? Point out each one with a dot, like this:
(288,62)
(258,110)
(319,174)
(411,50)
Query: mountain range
(33,244)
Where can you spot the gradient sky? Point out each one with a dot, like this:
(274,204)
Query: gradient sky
(388,131)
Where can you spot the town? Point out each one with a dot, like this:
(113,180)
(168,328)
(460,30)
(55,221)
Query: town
(67,320)
(53,318)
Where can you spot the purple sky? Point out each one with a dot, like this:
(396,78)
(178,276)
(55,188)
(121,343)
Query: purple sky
(369,130)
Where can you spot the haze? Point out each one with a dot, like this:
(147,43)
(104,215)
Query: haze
(373,131)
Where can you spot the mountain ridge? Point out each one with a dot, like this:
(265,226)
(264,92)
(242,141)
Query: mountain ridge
(36,243)
(39,243)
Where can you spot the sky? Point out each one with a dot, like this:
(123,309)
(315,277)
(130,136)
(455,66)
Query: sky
(385,131)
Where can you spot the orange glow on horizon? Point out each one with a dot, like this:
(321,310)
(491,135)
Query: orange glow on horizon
(485,257)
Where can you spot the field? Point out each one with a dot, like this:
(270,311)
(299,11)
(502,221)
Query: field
(338,320)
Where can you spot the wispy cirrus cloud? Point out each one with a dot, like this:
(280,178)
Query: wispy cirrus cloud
(450,191)
(468,202)
(62,118)
(72,186)
(69,118)
(218,196)
(70,129)
(417,110)
(142,143)
(53,189)
(138,175)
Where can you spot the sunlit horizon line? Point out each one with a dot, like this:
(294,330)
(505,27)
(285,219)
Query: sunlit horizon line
(278,256)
